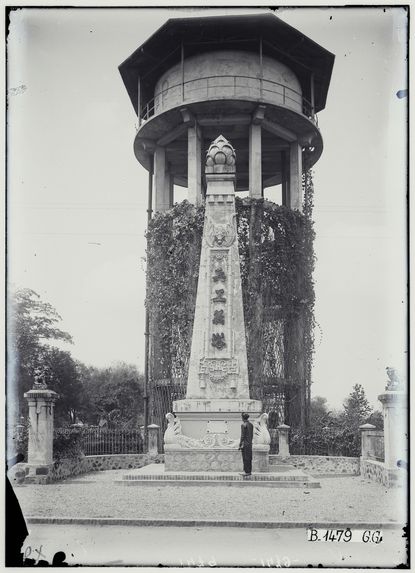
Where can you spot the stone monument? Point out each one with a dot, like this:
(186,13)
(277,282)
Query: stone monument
(204,430)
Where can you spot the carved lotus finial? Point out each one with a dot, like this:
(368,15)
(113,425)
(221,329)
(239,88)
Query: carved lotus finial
(220,157)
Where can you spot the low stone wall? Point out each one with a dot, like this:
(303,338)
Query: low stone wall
(376,471)
(67,468)
(318,465)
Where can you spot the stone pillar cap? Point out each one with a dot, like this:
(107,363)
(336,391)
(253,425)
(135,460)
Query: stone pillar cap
(367,427)
(391,394)
(153,426)
(41,393)
(283,427)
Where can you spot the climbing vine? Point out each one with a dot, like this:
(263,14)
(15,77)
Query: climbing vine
(277,262)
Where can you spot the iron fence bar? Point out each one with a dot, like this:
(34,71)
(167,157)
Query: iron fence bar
(97,441)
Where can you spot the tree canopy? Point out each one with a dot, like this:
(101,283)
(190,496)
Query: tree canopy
(32,324)
(86,393)
(356,407)
(113,395)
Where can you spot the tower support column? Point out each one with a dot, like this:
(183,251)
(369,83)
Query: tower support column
(285,192)
(171,189)
(194,165)
(161,180)
(255,161)
(296,183)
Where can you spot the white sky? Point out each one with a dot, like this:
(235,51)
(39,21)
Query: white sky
(77,196)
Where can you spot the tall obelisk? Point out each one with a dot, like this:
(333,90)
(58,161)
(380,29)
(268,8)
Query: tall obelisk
(204,434)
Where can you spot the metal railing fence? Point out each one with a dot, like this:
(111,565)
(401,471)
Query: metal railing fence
(101,441)
(289,97)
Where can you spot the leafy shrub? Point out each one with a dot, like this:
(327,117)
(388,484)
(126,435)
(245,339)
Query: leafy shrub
(328,441)
(67,443)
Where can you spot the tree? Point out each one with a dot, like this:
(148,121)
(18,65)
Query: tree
(356,411)
(63,376)
(356,407)
(31,323)
(114,394)
(318,410)
(376,418)
(335,432)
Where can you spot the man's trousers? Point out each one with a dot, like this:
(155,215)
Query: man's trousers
(247,458)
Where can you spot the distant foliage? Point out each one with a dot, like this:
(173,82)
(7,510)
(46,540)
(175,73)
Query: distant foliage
(334,440)
(335,433)
(356,407)
(86,394)
(112,396)
(33,326)
(376,419)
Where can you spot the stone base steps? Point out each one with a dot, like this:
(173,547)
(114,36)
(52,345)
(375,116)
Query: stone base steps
(277,467)
(307,484)
(157,476)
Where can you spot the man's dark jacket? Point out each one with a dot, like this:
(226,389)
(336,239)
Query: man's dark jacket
(247,434)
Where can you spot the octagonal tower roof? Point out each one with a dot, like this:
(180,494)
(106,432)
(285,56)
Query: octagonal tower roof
(240,32)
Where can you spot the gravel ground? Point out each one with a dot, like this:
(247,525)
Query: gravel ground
(344,499)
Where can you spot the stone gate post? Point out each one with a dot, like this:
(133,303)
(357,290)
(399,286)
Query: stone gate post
(366,442)
(41,403)
(153,434)
(283,445)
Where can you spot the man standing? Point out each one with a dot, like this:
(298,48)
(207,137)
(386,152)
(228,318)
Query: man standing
(247,434)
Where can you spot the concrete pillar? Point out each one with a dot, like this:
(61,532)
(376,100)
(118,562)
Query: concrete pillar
(171,189)
(296,184)
(194,165)
(40,448)
(153,435)
(283,445)
(161,181)
(255,161)
(395,427)
(285,188)
(366,442)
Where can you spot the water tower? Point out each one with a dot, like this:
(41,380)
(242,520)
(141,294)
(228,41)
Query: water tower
(259,83)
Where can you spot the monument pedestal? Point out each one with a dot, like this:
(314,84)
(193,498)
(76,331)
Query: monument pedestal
(208,436)
(214,459)
(223,416)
